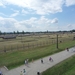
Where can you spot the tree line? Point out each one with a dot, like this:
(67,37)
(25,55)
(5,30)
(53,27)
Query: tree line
(23,32)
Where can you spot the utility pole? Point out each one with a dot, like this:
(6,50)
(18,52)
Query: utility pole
(57,41)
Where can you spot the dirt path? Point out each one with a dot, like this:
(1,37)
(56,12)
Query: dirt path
(35,66)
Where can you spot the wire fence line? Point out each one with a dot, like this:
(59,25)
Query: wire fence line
(29,46)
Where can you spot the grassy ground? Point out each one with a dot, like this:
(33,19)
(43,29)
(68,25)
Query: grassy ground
(14,59)
(71,71)
(67,67)
(12,44)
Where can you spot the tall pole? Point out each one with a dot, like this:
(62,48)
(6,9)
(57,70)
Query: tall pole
(57,41)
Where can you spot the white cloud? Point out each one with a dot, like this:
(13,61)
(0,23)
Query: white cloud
(50,6)
(24,12)
(16,12)
(70,26)
(70,2)
(55,20)
(41,7)
(1,3)
(33,24)
(7,24)
(66,27)
(2,14)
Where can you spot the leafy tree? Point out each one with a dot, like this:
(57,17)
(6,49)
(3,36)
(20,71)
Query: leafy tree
(23,32)
(14,32)
(0,32)
(17,32)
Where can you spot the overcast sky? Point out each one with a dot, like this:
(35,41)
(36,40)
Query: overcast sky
(37,15)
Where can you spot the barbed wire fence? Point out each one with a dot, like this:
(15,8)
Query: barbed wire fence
(30,46)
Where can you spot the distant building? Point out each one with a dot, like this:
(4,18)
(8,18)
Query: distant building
(8,36)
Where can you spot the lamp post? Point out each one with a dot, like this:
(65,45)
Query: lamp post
(57,41)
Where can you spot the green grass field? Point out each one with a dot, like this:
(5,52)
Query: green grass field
(71,71)
(16,58)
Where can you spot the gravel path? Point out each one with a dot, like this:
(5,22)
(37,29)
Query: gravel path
(33,67)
